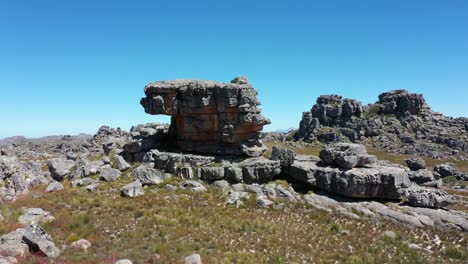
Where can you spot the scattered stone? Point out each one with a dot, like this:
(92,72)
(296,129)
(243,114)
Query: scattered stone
(54,186)
(192,185)
(416,164)
(81,244)
(421,176)
(35,215)
(148,176)
(110,174)
(171,188)
(448,170)
(223,185)
(284,155)
(92,187)
(346,155)
(82,182)
(193,259)
(263,202)
(428,197)
(259,170)
(212,173)
(120,163)
(39,180)
(132,189)
(59,168)
(39,241)
(124,261)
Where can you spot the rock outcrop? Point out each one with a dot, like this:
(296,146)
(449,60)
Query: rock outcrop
(209,117)
(399,122)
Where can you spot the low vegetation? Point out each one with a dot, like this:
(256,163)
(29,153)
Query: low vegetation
(164,226)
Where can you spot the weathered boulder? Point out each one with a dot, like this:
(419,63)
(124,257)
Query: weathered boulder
(193,259)
(428,197)
(81,244)
(144,138)
(259,170)
(284,155)
(448,170)
(346,155)
(377,180)
(421,176)
(148,176)
(132,189)
(211,173)
(54,186)
(416,164)
(13,178)
(110,174)
(208,116)
(39,241)
(192,185)
(59,168)
(120,163)
(35,215)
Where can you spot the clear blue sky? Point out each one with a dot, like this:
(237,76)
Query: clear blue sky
(70,66)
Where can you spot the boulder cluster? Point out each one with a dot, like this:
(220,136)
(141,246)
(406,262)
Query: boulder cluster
(399,121)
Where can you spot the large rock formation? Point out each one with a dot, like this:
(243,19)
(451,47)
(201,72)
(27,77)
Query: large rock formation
(209,117)
(399,121)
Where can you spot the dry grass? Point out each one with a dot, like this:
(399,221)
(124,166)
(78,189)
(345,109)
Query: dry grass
(177,224)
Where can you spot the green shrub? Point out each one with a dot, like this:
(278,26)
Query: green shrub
(454,253)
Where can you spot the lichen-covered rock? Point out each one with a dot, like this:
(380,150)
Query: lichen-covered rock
(132,189)
(35,215)
(59,168)
(449,170)
(39,241)
(428,197)
(346,155)
(416,164)
(144,138)
(110,174)
(120,163)
(148,176)
(421,176)
(209,117)
(284,155)
(54,186)
(259,170)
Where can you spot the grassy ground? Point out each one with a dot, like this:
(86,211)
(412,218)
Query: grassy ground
(381,155)
(177,224)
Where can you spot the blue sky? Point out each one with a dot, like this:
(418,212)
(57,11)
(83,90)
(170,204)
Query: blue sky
(70,66)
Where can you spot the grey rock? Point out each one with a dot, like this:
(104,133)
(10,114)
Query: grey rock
(120,163)
(39,241)
(233,174)
(35,215)
(192,185)
(416,164)
(393,215)
(421,176)
(81,244)
(346,155)
(444,218)
(39,180)
(132,189)
(148,176)
(259,170)
(263,202)
(193,259)
(171,188)
(236,198)
(110,174)
(428,197)
(59,168)
(8,260)
(54,186)
(223,185)
(212,173)
(92,187)
(284,155)
(124,261)
(379,181)
(448,170)
(82,182)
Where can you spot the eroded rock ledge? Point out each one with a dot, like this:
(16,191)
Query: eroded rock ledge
(209,117)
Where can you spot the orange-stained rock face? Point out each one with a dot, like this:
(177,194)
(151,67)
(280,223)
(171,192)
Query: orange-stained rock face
(210,117)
